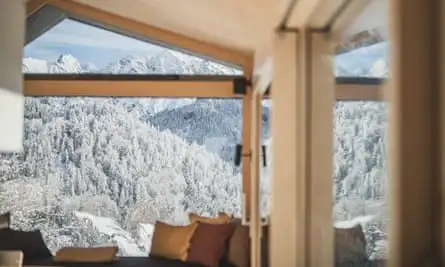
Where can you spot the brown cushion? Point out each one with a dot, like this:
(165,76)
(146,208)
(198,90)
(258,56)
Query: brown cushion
(350,245)
(239,245)
(5,220)
(221,218)
(172,242)
(86,255)
(209,242)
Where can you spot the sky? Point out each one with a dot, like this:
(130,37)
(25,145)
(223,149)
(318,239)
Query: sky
(100,47)
(86,43)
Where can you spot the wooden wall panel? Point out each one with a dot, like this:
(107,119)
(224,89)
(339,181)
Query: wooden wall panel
(415,103)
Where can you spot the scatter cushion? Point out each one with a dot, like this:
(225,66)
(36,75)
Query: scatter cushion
(209,243)
(221,218)
(31,243)
(238,252)
(172,242)
(86,255)
(5,220)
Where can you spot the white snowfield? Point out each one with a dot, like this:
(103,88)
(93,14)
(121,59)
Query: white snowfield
(127,245)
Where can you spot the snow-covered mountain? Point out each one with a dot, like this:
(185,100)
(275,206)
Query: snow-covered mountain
(162,62)
(167,62)
(64,64)
(368,61)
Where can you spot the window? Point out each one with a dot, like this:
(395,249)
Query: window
(96,171)
(70,46)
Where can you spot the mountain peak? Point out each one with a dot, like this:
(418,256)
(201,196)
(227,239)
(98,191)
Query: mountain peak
(67,59)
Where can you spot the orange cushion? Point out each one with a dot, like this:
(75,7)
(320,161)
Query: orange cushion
(221,218)
(97,254)
(172,242)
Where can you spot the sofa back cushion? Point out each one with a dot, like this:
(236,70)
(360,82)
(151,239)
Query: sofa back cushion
(86,255)
(31,243)
(172,242)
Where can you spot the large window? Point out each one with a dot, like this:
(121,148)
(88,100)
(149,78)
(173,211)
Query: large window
(75,47)
(98,171)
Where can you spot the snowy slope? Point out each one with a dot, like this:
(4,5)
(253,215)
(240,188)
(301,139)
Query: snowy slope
(213,123)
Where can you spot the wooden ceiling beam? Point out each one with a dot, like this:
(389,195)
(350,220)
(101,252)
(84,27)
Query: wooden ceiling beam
(163,37)
(33,6)
(358,92)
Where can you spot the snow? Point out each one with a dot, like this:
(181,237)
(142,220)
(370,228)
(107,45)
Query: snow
(145,234)
(354,222)
(96,171)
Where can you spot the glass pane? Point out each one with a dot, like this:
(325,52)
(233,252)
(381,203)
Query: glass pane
(100,171)
(75,47)
(360,182)
(370,61)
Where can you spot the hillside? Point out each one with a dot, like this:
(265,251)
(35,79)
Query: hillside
(128,162)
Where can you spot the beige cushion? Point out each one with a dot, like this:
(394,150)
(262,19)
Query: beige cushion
(221,218)
(172,242)
(11,258)
(98,254)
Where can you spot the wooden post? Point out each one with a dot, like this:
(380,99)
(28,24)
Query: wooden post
(416,100)
(303,101)
(246,154)
(255,216)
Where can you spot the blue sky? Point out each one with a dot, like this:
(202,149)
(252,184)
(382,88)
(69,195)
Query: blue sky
(101,47)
